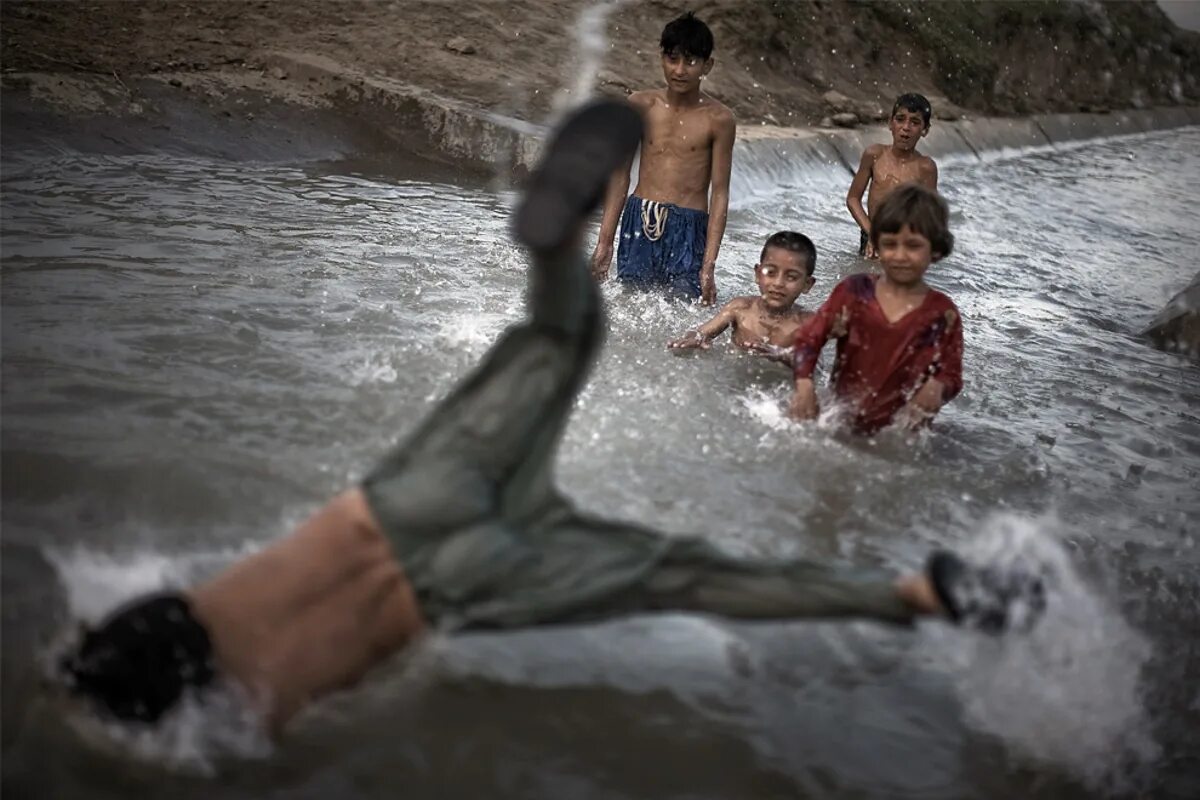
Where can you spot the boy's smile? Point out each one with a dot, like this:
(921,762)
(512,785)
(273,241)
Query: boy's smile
(781,278)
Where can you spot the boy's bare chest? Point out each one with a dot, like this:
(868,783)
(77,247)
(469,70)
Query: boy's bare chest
(754,327)
(891,171)
(678,133)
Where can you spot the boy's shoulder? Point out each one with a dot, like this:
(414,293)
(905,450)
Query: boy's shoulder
(646,98)
(874,151)
(718,110)
(744,303)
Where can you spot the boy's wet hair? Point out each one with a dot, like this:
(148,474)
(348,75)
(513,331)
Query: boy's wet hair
(688,37)
(916,103)
(795,243)
(922,210)
(137,665)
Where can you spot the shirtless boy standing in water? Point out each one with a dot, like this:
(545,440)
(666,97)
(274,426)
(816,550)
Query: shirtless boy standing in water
(671,227)
(462,527)
(885,168)
(767,324)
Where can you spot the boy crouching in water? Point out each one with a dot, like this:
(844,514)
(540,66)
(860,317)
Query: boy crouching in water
(766,324)
(899,351)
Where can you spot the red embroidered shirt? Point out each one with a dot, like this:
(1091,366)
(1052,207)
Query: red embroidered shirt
(881,364)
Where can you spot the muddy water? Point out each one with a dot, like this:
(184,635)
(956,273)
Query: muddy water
(196,352)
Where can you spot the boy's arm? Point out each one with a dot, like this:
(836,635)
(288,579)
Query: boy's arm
(614,200)
(810,338)
(702,337)
(718,204)
(773,352)
(929,173)
(859,185)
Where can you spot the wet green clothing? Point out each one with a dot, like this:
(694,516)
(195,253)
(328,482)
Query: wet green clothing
(487,541)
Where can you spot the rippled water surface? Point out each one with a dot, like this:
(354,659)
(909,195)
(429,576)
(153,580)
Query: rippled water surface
(196,353)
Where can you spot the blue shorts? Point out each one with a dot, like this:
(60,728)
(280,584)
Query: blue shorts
(662,246)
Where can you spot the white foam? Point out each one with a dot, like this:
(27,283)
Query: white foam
(591,45)
(374,368)
(97,582)
(474,332)
(193,735)
(191,738)
(1069,692)
(770,411)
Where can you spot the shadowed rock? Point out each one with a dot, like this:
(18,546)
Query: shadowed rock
(1177,326)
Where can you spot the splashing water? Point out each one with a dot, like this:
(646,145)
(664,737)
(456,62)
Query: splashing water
(192,738)
(591,42)
(194,735)
(1068,693)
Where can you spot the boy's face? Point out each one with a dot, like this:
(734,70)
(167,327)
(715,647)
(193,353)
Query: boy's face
(907,128)
(905,256)
(683,72)
(781,278)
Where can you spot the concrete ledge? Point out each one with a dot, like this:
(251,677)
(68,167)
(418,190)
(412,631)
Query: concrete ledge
(428,124)
(449,130)
(774,159)
(767,153)
(998,136)
(1071,127)
(442,129)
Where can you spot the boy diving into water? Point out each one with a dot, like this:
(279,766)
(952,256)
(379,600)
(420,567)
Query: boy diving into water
(671,226)
(462,527)
(767,324)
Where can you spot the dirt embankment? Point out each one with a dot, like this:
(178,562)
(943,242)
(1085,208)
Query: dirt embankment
(779,61)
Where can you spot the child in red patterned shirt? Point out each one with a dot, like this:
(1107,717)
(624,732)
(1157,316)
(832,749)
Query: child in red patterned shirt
(899,350)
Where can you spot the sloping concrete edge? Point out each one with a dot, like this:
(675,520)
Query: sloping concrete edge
(985,138)
(429,125)
(476,139)
(426,123)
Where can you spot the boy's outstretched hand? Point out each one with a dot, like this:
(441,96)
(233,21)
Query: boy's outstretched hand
(691,340)
(784,355)
(804,404)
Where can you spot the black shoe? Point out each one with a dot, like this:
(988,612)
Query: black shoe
(570,179)
(988,599)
